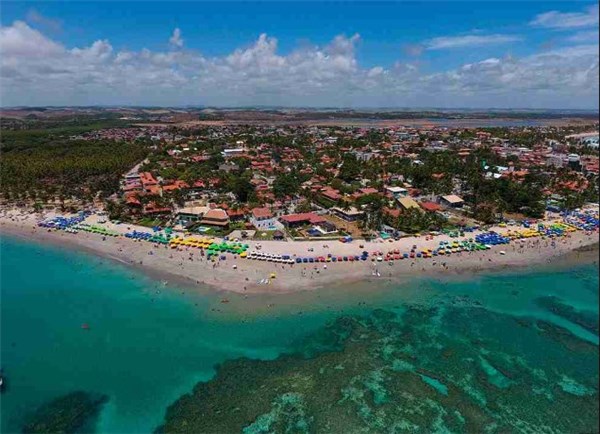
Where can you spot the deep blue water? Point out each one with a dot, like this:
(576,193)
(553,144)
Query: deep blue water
(148,344)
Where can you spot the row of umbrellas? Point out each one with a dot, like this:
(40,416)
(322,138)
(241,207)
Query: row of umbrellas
(95,229)
(63,223)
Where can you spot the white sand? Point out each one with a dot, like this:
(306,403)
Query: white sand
(187,265)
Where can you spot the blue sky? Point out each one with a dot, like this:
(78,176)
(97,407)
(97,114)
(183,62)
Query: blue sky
(437,39)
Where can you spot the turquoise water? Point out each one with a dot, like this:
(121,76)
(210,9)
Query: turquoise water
(143,349)
(147,344)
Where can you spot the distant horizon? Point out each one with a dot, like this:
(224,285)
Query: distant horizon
(305,108)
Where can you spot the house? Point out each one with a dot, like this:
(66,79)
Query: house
(229,167)
(262,218)
(430,206)
(407,203)
(364,192)
(365,155)
(191,214)
(452,201)
(132,201)
(260,214)
(215,217)
(235,152)
(149,183)
(397,192)
(132,176)
(326,228)
(368,190)
(331,194)
(296,220)
(236,214)
(322,229)
(153,209)
(350,215)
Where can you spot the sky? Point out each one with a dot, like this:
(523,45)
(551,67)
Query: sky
(446,54)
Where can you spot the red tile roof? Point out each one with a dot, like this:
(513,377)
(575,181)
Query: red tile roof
(262,213)
(309,217)
(147,179)
(430,206)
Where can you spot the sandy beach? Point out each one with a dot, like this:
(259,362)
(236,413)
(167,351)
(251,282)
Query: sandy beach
(186,266)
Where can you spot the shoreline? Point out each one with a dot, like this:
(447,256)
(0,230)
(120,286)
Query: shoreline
(179,268)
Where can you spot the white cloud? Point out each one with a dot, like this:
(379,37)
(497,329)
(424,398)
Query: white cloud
(567,20)
(21,40)
(175,40)
(36,70)
(98,52)
(584,36)
(446,42)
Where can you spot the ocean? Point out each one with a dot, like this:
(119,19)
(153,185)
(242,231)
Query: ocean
(490,353)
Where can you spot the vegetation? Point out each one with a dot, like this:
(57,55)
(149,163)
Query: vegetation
(413,221)
(64,168)
(34,134)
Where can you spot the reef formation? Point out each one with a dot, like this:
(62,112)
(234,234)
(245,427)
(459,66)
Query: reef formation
(413,369)
(71,413)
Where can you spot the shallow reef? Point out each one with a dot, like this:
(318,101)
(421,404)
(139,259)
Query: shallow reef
(72,413)
(425,369)
(584,318)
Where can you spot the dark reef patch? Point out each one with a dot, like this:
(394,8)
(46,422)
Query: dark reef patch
(423,369)
(76,412)
(584,318)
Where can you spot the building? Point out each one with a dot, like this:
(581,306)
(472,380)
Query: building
(331,194)
(430,206)
(397,192)
(574,162)
(452,201)
(260,214)
(591,142)
(296,220)
(234,152)
(407,203)
(262,218)
(215,217)
(556,160)
(149,183)
(365,155)
(229,167)
(132,176)
(350,215)
(153,209)
(322,229)
(191,214)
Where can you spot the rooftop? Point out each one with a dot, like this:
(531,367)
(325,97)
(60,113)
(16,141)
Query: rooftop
(452,198)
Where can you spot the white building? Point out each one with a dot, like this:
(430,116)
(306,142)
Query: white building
(397,192)
(233,152)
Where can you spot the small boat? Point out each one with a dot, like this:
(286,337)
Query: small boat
(85,326)
(224,301)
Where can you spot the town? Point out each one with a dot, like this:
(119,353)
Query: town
(270,182)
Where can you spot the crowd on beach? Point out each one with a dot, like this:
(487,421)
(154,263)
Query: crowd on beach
(239,266)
